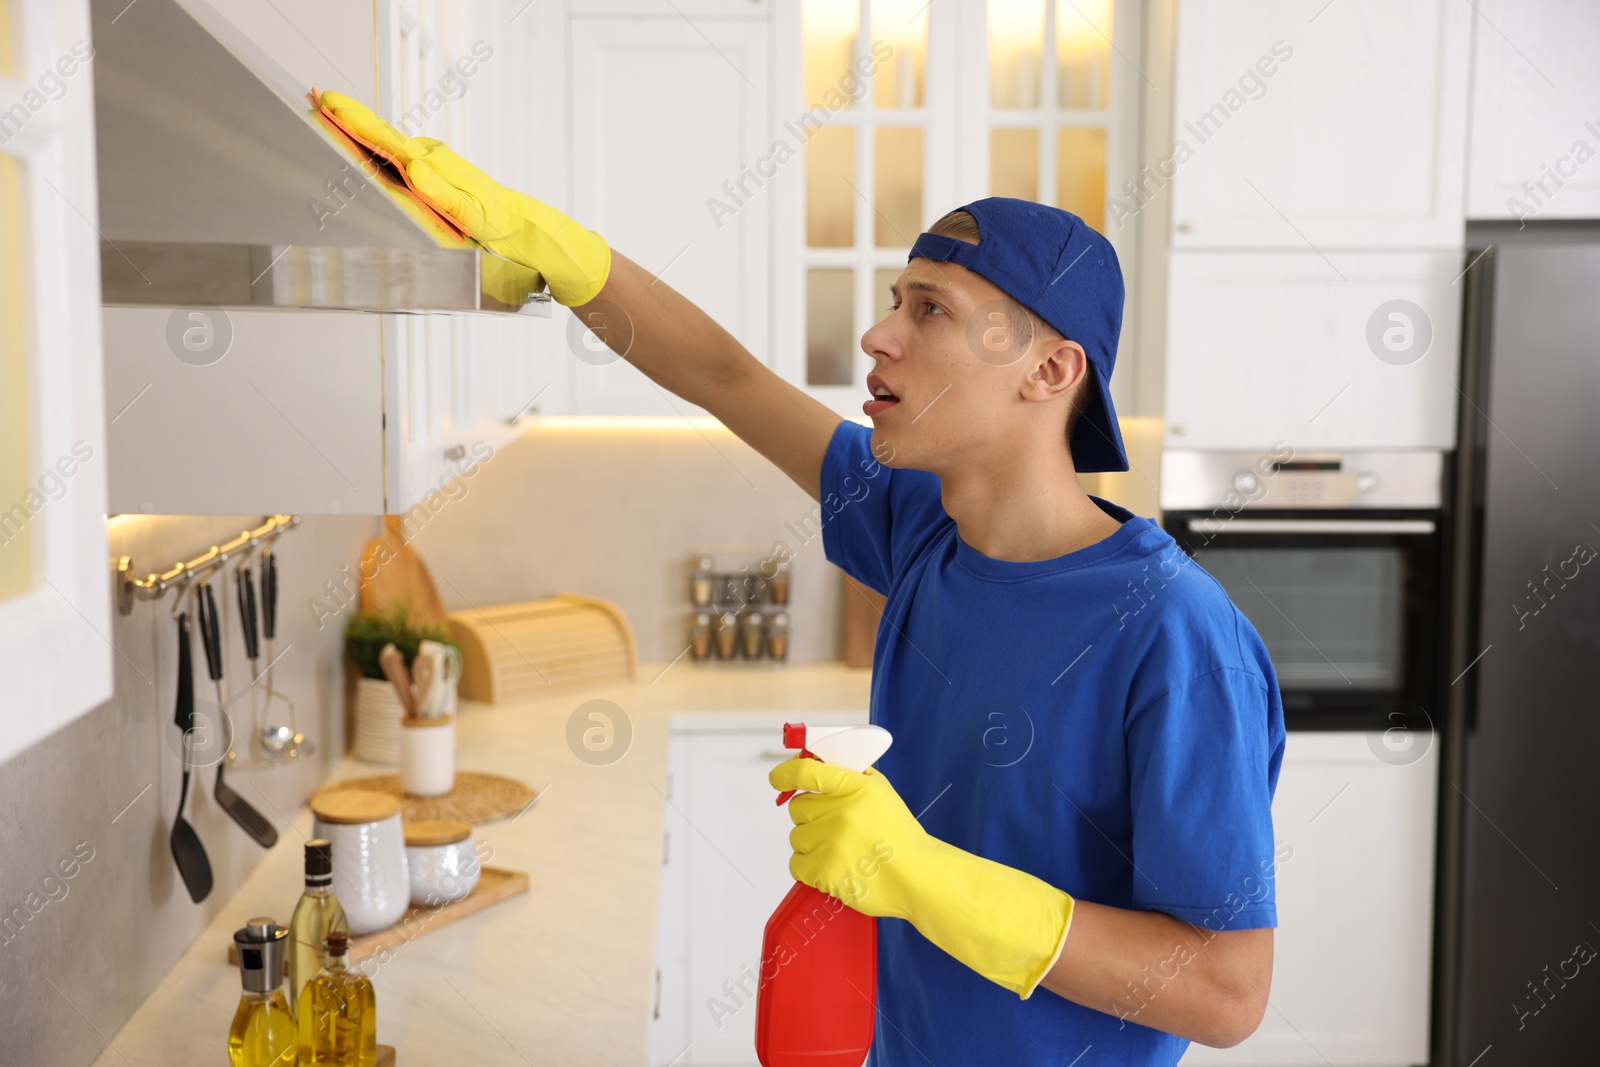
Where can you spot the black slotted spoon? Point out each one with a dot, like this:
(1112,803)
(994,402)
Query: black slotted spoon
(238,808)
(187,851)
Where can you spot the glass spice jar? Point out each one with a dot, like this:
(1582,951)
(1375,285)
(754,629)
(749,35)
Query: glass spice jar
(700,635)
(750,635)
(778,636)
(700,583)
(778,586)
(727,636)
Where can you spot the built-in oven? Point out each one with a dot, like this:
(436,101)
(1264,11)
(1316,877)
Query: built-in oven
(1337,560)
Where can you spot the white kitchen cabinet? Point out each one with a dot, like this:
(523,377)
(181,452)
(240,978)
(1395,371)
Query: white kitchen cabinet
(1319,125)
(458,386)
(668,112)
(1353,949)
(1264,347)
(55,599)
(726,855)
(1535,134)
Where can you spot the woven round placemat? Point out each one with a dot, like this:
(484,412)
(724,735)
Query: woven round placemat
(477,797)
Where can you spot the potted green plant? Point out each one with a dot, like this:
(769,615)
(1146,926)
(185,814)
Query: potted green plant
(378,709)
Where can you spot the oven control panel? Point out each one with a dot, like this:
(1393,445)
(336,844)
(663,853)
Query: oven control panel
(1195,480)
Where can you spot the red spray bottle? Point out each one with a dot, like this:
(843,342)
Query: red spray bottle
(818,992)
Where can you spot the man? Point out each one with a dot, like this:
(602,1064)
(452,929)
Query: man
(1087,730)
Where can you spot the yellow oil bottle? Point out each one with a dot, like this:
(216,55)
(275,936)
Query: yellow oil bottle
(263,1032)
(337,1016)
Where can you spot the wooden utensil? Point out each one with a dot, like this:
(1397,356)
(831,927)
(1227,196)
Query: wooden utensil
(422,680)
(398,576)
(394,669)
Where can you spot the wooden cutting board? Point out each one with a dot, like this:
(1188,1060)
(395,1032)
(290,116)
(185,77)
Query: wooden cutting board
(494,885)
(392,573)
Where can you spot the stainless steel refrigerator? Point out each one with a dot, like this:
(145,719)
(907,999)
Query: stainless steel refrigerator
(1518,975)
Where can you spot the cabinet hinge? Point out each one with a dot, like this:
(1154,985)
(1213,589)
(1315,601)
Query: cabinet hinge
(666,846)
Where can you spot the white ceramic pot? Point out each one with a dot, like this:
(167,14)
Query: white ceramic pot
(370,873)
(377,721)
(428,756)
(443,863)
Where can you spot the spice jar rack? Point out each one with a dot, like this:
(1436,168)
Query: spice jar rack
(739,603)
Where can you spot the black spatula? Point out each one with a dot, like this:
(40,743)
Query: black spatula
(187,851)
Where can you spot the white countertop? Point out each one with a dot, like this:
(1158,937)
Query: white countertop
(562,974)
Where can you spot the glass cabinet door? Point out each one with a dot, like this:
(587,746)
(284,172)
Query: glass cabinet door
(55,587)
(866,68)
(905,110)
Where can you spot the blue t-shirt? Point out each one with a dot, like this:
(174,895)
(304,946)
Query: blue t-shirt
(1107,721)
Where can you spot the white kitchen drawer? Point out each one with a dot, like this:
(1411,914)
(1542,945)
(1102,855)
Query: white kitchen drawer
(1264,347)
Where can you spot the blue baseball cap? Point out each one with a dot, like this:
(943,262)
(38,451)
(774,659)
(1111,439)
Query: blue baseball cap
(1058,267)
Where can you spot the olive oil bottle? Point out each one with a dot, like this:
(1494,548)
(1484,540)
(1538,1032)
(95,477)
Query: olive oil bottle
(318,914)
(263,1031)
(338,1013)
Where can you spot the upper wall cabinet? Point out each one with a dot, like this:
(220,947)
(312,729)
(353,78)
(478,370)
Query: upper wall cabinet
(1310,124)
(824,136)
(1338,351)
(672,118)
(1535,133)
(55,599)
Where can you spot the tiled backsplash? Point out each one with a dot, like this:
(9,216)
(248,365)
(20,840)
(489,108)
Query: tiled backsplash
(614,510)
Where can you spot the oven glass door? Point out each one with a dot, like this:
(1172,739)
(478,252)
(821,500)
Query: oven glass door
(1347,605)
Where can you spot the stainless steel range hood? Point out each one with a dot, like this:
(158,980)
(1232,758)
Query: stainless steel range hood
(219,184)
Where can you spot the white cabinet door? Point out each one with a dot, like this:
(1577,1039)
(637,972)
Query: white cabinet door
(738,856)
(667,113)
(1352,953)
(1337,351)
(727,869)
(1535,145)
(55,592)
(1313,124)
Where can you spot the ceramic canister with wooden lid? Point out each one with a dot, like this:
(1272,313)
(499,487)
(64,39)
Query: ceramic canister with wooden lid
(443,864)
(370,876)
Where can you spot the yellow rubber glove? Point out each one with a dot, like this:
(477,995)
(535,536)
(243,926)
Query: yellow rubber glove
(855,839)
(574,261)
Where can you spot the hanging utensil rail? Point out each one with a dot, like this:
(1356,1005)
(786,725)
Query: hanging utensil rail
(154,586)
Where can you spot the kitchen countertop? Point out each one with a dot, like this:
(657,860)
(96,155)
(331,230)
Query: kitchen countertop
(561,974)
